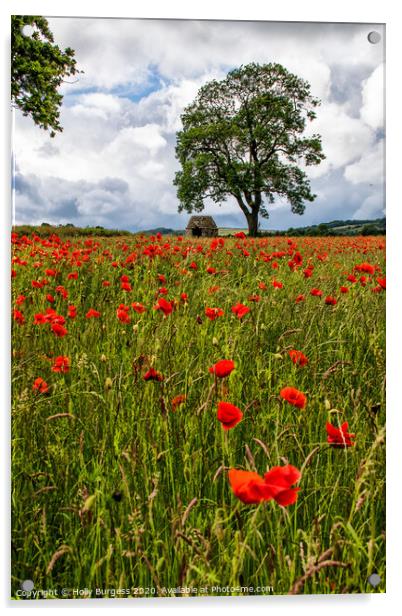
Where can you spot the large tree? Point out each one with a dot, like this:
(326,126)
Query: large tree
(38,67)
(242,137)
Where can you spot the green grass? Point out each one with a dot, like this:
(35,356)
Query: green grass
(121,435)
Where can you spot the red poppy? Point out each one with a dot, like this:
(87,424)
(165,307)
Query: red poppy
(365,267)
(262,286)
(126,286)
(72,312)
(62,291)
(137,307)
(211,270)
(277,284)
(213,313)
(351,278)
(184,297)
(330,301)
(19,317)
(61,364)
(278,482)
(250,488)
(222,368)
(382,282)
(294,397)
(39,319)
(40,386)
(105,283)
(247,486)
(123,315)
(316,292)
(300,298)
(254,298)
(229,415)
(58,329)
(92,313)
(308,272)
(240,310)
(339,437)
(193,265)
(240,235)
(344,290)
(50,298)
(298,357)
(164,305)
(72,276)
(20,300)
(153,375)
(178,401)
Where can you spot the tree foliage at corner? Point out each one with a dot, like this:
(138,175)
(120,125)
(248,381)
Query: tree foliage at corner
(242,137)
(38,67)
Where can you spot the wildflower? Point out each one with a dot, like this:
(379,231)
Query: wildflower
(294,397)
(316,292)
(164,305)
(92,313)
(72,311)
(137,307)
(122,315)
(178,401)
(61,364)
(213,313)
(40,386)
(222,368)
(277,484)
(344,290)
(339,437)
(229,415)
(298,358)
(153,375)
(240,310)
(300,298)
(58,329)
(330,301)
(18,317)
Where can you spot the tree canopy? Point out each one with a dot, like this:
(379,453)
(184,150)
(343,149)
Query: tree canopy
(242,137)
(38,67)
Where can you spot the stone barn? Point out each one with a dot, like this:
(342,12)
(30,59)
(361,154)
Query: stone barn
(201,226)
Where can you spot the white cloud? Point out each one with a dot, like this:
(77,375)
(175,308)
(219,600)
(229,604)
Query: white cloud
(369,168)
(373,93)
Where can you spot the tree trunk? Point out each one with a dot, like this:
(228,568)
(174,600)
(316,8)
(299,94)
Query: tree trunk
(252,220)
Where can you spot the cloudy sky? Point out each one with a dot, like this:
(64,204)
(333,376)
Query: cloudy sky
(114,163)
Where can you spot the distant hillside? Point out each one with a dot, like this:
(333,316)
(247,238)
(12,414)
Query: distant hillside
(339,227)
(335,227)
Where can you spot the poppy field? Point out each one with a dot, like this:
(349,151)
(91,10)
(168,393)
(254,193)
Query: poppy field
(198,416)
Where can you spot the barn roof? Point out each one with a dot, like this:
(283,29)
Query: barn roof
(202,222)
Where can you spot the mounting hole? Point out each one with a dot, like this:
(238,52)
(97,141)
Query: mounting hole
(374,37)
